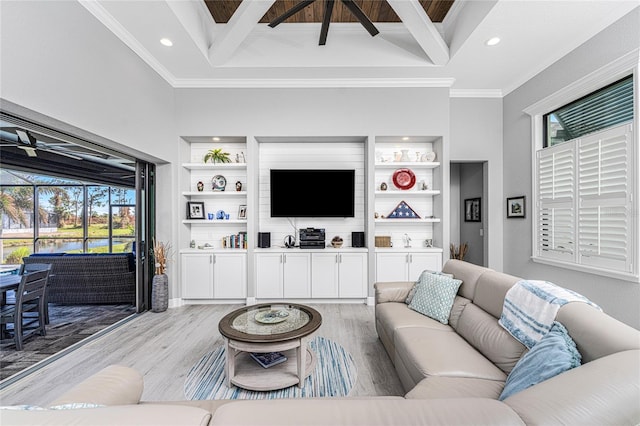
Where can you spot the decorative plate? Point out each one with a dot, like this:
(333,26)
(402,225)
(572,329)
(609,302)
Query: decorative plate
(272,316)
(429,157)
(218,183)
(404,179)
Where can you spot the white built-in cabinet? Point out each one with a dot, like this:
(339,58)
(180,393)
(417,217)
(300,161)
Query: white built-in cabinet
(297,274)
(405,265)
(211,270)
(214,275)
(283,275)
(339,275)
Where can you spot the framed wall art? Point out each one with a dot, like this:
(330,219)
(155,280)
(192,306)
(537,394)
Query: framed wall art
(515,207)
(472,210)
(242,211)
(195,210)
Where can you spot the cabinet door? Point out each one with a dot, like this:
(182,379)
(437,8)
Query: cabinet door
(418,262)
(352,275)
(229,275)
(197,276)
(391,266)
(297,275)
(269,275)
(324,275)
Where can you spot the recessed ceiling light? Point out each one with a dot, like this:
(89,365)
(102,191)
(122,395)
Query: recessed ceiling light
(215,139)
(166,42)
(492,41)
(406,138)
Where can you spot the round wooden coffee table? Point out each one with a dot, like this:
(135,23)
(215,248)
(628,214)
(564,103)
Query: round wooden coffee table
(269,327)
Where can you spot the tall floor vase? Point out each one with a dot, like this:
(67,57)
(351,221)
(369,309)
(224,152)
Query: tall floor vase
(160,293)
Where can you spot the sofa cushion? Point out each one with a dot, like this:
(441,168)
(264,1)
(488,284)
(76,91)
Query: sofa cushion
(484,333)
(467,272)
(366,412)
(434,296)
(424,352)
(455,387)
(398,315)
(600,392)
(121,415)
(113,385)
(555,353)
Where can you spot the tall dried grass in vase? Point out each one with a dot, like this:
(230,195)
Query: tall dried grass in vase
(161,255)
(456,252)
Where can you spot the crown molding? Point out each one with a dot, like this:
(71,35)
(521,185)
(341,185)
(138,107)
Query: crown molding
(591,82)
(475,93)
(312,82)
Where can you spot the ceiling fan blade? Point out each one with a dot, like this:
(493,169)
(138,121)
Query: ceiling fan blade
(295,9)
(326,19)
(360,16)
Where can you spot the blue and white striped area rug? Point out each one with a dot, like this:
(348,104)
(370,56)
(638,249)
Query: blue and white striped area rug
(335,374)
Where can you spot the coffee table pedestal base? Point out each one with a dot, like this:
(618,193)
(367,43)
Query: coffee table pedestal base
(243,371)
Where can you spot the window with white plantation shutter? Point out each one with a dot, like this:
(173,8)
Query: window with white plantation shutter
(584,203)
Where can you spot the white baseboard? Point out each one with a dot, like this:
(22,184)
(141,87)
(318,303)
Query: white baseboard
(371,301)
(176,303)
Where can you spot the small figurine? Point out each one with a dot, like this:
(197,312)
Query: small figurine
(238,186)
(383,186)
(424,186)
(200,186)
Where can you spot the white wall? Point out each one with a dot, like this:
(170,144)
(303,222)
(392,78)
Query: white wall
(62,67)
(619,299)
(476,136)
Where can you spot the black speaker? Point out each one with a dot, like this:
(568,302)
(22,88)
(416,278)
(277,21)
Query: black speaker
(357,239)
(264,239)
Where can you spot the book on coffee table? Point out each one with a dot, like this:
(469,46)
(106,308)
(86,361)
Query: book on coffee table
(268,359)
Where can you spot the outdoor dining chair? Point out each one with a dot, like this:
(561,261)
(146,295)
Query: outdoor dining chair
(30,298)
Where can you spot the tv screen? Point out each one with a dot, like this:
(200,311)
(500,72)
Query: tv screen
(312,193)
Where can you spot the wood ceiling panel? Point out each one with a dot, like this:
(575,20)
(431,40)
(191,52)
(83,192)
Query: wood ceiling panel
(376,10)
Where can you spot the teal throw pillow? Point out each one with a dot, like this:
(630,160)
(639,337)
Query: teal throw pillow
(412,292)
(434,296)
(555,353)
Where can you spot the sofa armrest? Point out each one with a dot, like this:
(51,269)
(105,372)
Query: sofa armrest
(113,385)
(392,291)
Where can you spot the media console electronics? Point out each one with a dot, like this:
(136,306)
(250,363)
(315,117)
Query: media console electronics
(311,238)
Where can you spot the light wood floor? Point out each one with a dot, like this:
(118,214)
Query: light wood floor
(164,346)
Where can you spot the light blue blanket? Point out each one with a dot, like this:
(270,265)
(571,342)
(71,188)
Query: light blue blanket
(530,307)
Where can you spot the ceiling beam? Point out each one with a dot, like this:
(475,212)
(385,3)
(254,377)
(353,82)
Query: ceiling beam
(422,29)
(237,29)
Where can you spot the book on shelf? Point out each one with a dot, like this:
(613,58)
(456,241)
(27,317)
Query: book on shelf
(268,359)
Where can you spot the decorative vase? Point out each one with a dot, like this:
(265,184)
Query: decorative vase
(405,155)
(160,293)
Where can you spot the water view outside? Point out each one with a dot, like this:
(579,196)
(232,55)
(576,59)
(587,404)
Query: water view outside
(71,216)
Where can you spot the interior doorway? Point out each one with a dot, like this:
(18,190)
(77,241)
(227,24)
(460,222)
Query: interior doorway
(469,211)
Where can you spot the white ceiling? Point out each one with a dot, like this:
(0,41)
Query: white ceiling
(415,53)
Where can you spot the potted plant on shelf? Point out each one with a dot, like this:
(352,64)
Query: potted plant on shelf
(160,283)
(217,155)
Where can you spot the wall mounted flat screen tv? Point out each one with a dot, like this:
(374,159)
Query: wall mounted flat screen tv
(312,193)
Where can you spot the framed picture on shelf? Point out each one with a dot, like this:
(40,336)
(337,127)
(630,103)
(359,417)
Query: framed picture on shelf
(515,207)
(195,210)
(242,211)
(472,210)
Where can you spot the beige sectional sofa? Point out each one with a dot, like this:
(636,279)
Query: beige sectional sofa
(453,374)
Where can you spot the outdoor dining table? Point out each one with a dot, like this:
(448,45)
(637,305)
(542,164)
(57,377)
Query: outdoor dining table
(7,283)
